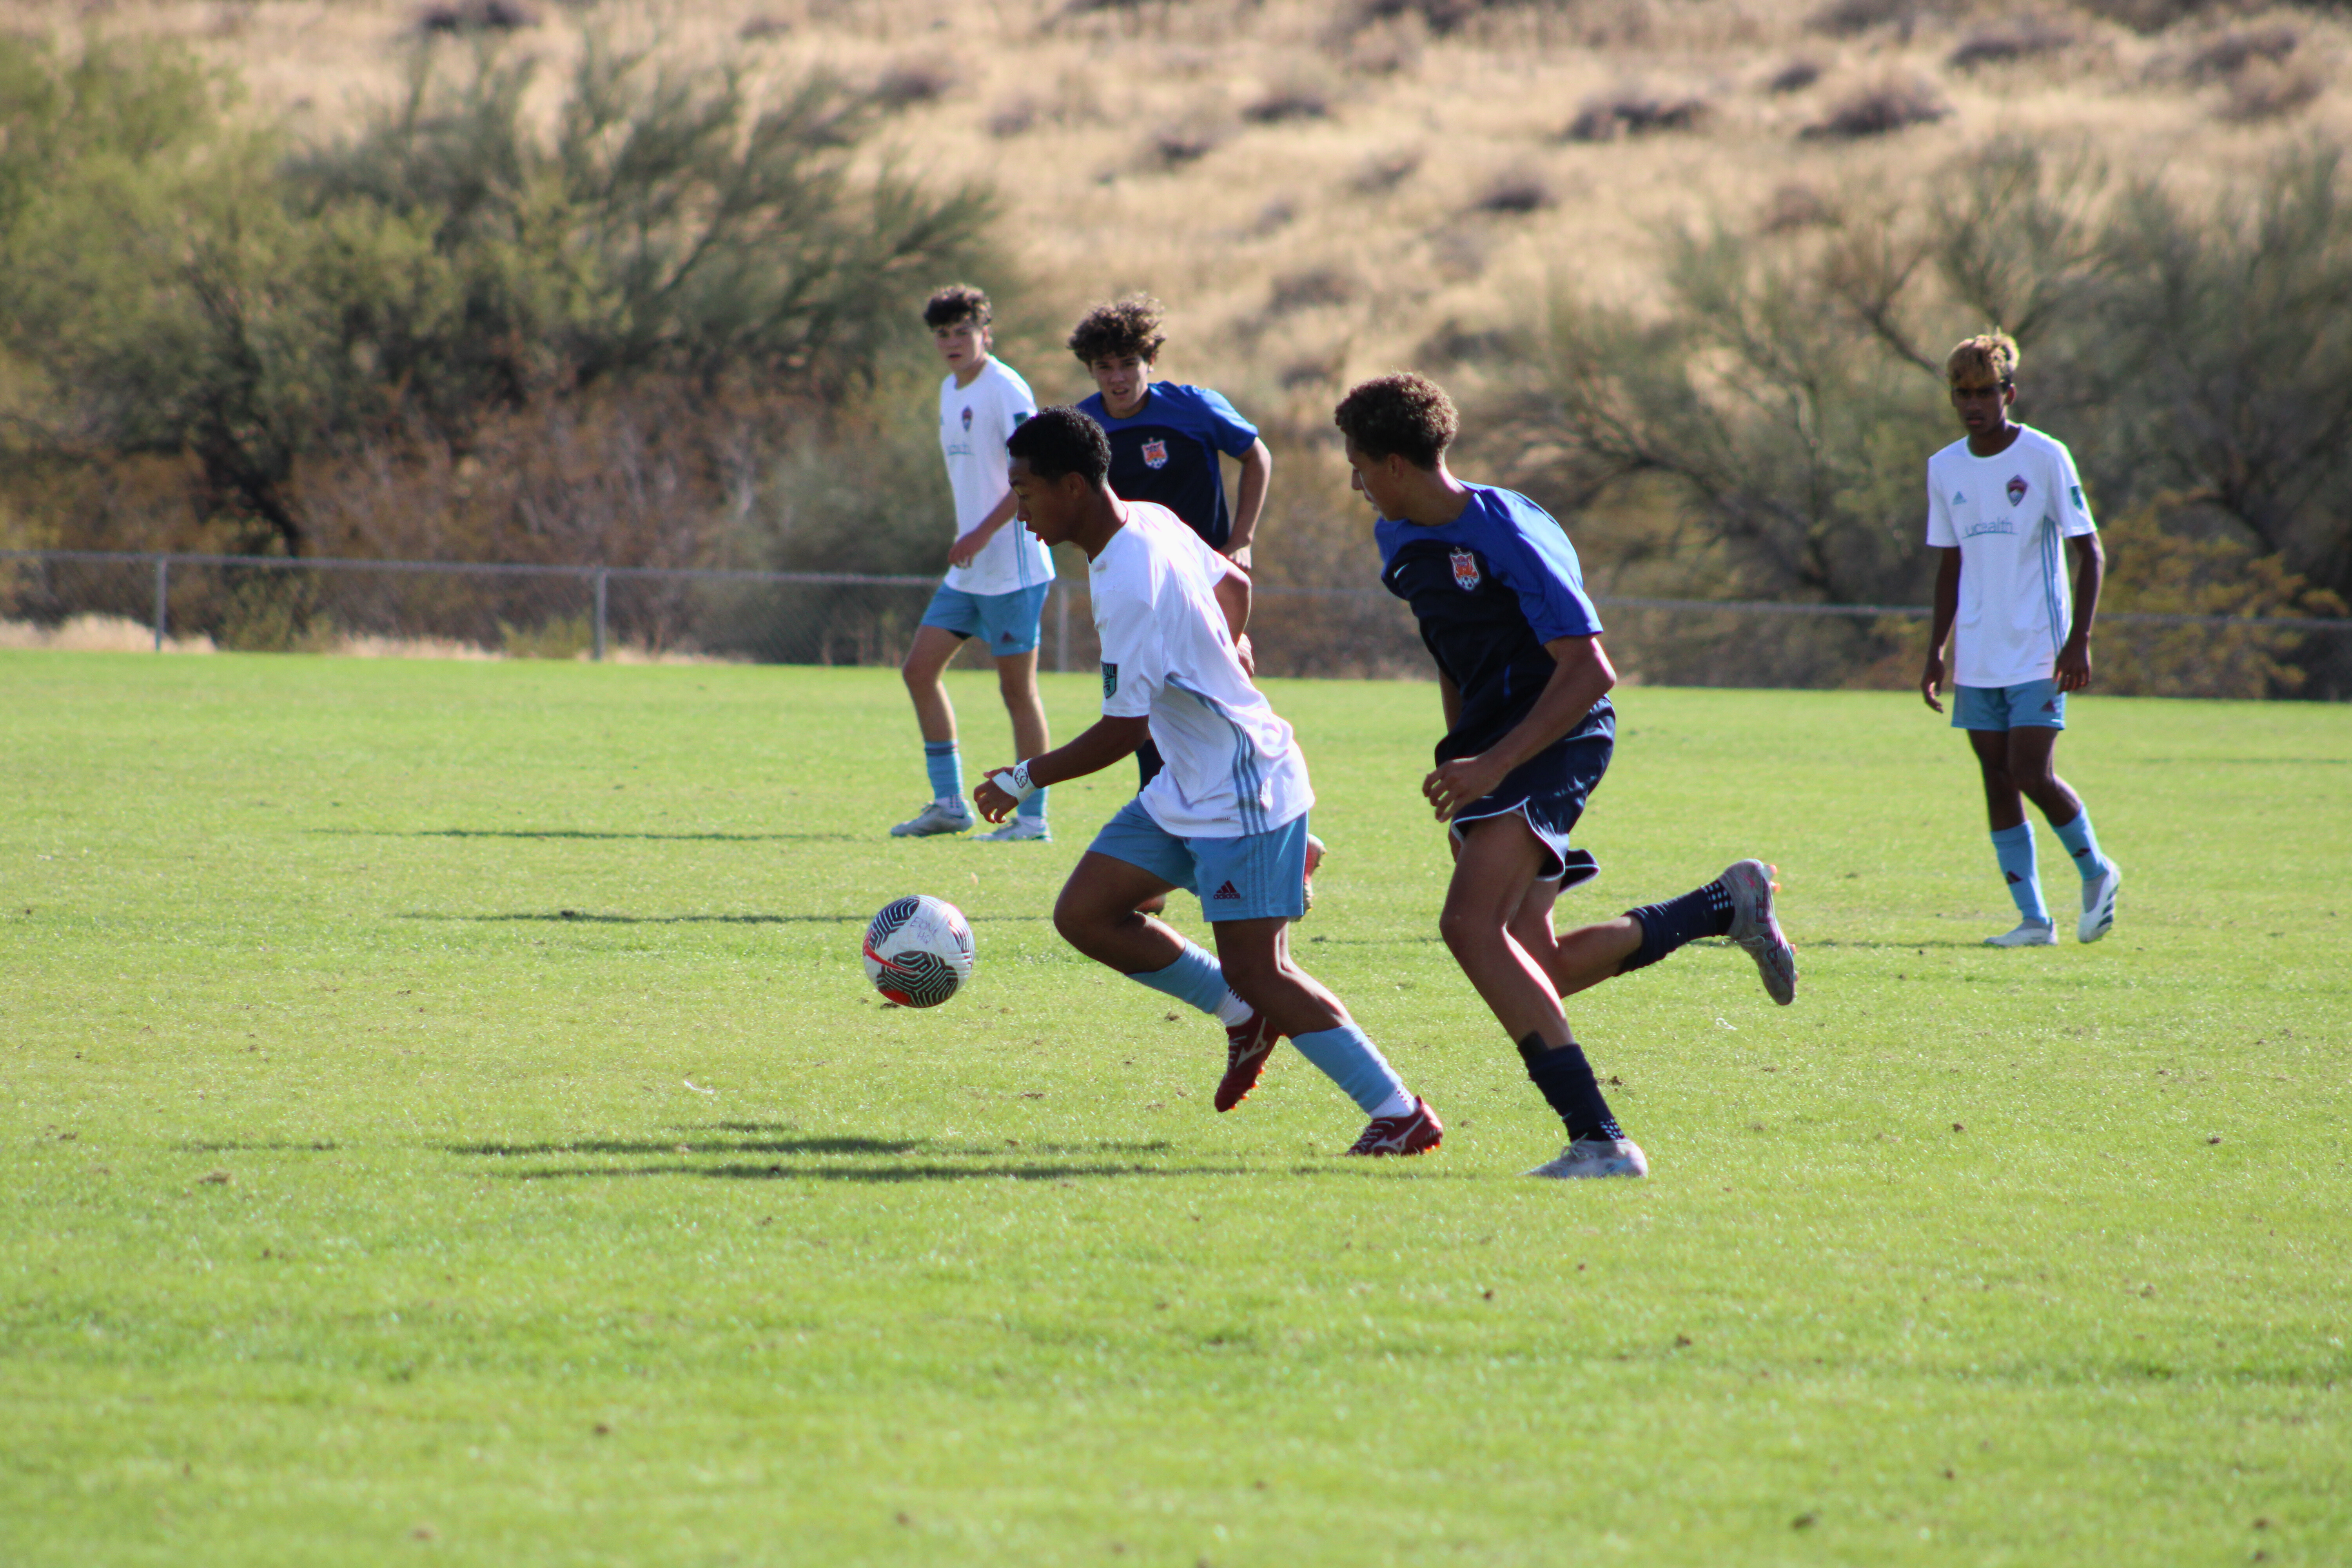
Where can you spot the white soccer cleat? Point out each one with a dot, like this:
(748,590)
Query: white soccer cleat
(2026,934)
(939,816)
(2099,904)
(1018,830)
(1754,928)
(1596,1157)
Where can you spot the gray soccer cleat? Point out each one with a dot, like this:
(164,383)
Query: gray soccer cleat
(1596,1157)
(1018,830)
(2099,904)
(2026,934)
(1754,928)
(939,816)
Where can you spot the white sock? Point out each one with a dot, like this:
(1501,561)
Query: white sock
(1398,1103)
(1232,1010)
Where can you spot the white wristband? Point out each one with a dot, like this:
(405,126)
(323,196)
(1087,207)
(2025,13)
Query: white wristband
(1014,782)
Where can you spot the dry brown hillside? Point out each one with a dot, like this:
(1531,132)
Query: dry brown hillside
(1317,188)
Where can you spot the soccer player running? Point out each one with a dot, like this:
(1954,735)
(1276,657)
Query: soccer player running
(1168,441)
(1224,819)
(1999,504)
(998,573)
(1500,597)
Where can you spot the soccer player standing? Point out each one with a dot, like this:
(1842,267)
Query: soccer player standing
(1226,817)
(1499,594)
(998,572)
(2005,507)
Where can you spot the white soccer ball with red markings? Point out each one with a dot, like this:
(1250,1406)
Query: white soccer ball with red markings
(918,951)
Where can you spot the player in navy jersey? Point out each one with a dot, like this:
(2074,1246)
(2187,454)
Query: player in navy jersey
(1529,729)
(1168,443)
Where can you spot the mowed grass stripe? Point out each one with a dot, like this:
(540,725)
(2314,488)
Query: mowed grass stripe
(412,1069)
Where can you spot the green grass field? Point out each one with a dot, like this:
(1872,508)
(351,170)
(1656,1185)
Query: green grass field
(446,1120)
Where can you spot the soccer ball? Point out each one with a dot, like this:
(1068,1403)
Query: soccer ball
(918,951)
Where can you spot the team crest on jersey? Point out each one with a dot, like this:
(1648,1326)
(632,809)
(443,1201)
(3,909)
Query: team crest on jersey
(2017,489)
(1465,571)
(1155,454)
(1110,681)
(967,416)
(2076,492)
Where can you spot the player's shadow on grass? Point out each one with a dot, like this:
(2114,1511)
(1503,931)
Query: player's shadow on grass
(582,917)
(1896,946)
(587,833)
(945,1164)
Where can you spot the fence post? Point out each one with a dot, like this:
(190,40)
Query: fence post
(601,574)
(162,592)
(1061,626)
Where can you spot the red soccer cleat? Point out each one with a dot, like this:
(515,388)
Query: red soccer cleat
(1247,1045)
(1414,1134)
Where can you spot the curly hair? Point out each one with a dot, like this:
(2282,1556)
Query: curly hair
(1059,441)
(956,304)
(1128,326)
(1403,415)
(1991,354)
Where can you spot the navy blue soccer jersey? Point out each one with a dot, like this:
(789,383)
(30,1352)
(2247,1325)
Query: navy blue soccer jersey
(1489,589)
(1167,453)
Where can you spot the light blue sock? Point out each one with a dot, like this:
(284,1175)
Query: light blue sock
(1033,806)
(2082,844)
(945,764)
(1350,1059)
(1194,977)
(2014,848)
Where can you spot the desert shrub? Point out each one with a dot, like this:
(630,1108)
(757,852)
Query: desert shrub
(913,81)
(1282,104)
(1631,113)
(2172,555)
(1186,142)
(179,286)
(1882,109)
(1845,18)
(2228,52)
(2017,39)
(1795,76)
(476,17)
(1312,287)
(1515,193)
(2154,16)
(2196,356)
(2264,90)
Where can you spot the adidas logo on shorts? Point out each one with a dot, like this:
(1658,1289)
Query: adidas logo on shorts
(1224,892)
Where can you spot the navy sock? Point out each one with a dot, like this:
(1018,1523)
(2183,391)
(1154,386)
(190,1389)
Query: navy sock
(1703,912)
(1567,1084)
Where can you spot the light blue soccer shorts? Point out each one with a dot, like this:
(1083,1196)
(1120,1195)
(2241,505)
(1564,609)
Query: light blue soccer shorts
(2037,704)
(1005,623)
(1259,876)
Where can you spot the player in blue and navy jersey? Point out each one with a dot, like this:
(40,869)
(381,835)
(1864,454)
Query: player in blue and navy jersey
(1168,444)
(1529,730)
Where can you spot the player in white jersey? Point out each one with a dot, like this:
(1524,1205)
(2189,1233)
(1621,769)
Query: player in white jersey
(998,571)
(1226,817)
(2006,507)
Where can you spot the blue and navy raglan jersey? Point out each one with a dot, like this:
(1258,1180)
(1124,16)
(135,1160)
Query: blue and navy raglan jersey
(1489,589)
(1167,453)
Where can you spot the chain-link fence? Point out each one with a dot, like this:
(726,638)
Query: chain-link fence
(257,603)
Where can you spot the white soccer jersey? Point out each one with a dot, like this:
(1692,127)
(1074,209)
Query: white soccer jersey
(2009,516)
(1233,766)
(975,421)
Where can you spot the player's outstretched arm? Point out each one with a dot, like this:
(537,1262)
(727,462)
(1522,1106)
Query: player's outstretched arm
(1108,741)
(1582,676)
(2074,671)
(1939,631)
